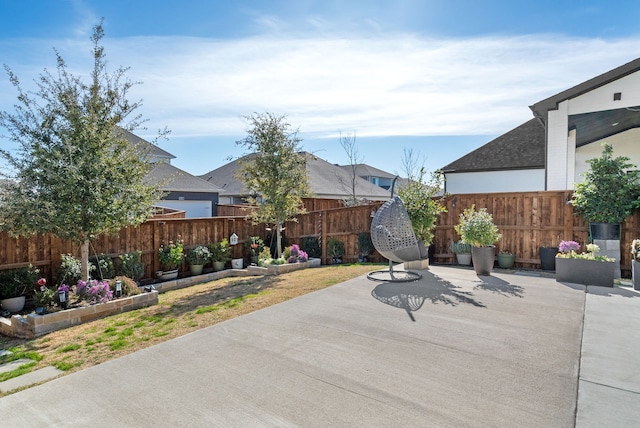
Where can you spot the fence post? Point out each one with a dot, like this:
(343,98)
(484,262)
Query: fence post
(323,236)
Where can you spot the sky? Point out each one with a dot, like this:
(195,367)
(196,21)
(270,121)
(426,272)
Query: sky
(434,78)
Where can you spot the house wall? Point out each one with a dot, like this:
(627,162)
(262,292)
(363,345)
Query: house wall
(495,181)
(195,204)
(561,146)
(624,144)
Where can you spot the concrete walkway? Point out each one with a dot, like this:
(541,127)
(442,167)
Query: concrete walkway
(498,351)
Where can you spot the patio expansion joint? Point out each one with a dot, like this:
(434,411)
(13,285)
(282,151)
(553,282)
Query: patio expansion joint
(609,386)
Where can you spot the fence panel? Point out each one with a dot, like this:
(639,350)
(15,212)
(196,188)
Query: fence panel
(527,221)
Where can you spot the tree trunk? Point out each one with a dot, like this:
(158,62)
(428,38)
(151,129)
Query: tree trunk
(84,260)
(279,240)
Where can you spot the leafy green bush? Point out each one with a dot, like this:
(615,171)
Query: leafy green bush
(70,271)
(220,251)
(311,246)
(422,207)
(477,228)
(199,255)
(131,265)
(610,191)
(335,247)
(14,282)
(101,267)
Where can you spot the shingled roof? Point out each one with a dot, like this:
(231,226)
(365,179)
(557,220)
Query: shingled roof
(325,180)
(521,148)
(174,179)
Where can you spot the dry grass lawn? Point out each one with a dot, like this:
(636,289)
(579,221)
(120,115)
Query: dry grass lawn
(178,312)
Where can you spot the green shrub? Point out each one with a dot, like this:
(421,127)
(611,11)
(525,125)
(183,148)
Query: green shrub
(70,271)
(335,248)
(131,265)
(477,228)
(311,246)
(14,282)
(101,267)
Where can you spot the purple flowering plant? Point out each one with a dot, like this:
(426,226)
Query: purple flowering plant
(568,246)
(94,291)
(296,255)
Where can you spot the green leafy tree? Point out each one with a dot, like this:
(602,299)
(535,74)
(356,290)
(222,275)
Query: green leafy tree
(74,174)
(610,190)
(423,207)
(275,172)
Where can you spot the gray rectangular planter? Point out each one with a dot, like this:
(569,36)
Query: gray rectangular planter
(587,272)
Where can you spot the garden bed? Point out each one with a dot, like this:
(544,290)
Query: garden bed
(33,325)
(30,325)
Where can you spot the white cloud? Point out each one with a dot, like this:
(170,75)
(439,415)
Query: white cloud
(396,84)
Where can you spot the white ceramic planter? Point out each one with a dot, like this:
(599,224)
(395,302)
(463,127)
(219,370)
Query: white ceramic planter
(14,304)
(237,263)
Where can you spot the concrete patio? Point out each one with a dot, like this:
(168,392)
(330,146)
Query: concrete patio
(504,350)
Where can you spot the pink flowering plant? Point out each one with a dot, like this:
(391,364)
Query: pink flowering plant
(296,255)
(94,291)
(568,246)
(569,250)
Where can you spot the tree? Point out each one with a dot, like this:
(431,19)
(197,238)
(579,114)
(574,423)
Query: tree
(74,175)
(418,195)
(275,173)
(348,143)
(610,190)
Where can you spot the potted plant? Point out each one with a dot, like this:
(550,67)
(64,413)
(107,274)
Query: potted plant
(608,194)
(335,250)
(477,229)
(254,246)
(423,209)
(635,264)
(365,246)
(13,284)
(220,253)
(587,268)
(170,256)
(197,258)
(506,259)
(43,297)
(462,250)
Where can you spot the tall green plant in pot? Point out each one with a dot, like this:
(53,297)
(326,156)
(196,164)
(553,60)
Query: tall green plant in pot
(477,228)
(422,206)
(608,194)
(220,253)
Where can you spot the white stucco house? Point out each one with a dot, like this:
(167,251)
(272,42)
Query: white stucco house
(549,152)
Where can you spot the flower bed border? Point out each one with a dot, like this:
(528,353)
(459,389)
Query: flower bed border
(32,325)
(287,267)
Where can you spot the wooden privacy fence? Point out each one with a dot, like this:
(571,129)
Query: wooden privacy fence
(526,221)
(45,251)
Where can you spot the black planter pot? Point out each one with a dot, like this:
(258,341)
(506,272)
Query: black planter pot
(483,259)
(635,274)
(548,257)
(606,231)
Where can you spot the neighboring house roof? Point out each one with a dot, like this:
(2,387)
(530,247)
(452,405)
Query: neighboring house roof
(364,170)
(173,179)
(325,180)
(521,148)
(152,150)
